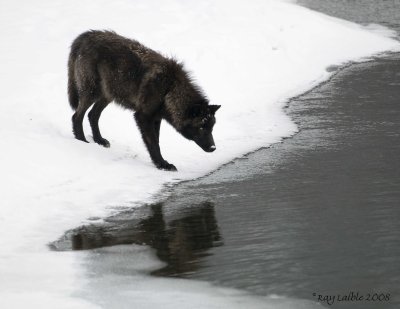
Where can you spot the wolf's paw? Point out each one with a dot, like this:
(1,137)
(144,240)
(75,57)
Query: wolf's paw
(166,166)
(102,142)
(82,139)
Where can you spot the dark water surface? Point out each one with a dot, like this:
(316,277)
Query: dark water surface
(364,12)
(318,213)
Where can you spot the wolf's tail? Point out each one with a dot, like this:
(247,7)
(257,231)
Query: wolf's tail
(72,90)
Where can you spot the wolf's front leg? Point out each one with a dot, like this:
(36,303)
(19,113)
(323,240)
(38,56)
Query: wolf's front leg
(149,128)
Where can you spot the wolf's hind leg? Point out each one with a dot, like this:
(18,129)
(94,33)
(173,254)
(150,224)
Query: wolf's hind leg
(77,118)
(94,116)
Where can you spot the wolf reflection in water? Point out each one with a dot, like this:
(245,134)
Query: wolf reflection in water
(178,242)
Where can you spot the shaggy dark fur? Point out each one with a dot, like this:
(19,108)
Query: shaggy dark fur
(104,67)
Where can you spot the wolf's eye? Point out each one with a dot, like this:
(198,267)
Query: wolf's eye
(201,128)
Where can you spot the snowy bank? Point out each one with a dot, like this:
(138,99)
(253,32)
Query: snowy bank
(249,57)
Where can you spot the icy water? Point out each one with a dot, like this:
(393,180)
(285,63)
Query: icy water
(317,214)
(365,12)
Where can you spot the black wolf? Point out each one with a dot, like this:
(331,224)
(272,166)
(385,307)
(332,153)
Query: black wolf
(104,66)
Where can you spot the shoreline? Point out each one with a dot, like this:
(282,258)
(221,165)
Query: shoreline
(164,192)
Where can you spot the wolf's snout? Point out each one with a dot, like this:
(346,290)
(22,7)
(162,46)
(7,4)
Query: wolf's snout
(211,148)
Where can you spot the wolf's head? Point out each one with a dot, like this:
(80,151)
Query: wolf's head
(199,125)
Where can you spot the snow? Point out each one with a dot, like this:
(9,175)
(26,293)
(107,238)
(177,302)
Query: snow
(249,58)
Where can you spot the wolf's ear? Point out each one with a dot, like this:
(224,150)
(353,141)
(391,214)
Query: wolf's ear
(214,108)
